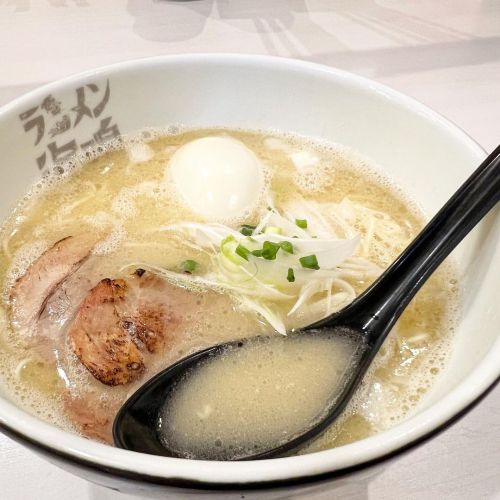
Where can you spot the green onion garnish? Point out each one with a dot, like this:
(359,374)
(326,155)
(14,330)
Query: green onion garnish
(302,223)
(247,229)
(227,240)
(257,253)
(309,262)
(290,276)
(273,230)
(189,266)
(242,251)
(269,250)
(286,246)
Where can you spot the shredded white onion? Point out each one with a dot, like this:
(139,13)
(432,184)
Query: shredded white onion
(261,284)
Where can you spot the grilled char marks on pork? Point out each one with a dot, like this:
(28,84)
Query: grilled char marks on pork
(122,320)
(151,309)
(100,339)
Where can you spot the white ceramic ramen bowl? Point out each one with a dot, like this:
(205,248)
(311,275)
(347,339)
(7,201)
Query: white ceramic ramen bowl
(427,155)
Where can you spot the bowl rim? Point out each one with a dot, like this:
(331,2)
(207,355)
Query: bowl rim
(53,441)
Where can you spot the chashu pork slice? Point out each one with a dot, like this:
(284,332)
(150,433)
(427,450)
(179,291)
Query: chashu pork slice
(154,309)
(100,338)
(121,321)
(61,307)
(31,291)
(91,414)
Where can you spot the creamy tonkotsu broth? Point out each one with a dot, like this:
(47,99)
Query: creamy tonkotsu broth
(111,271)
(252,398)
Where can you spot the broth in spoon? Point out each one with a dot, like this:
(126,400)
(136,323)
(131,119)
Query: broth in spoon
(256,395)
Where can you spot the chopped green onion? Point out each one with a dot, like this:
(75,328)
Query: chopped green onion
(227,239)
(227,247)
(309,262)
(247,229)
(189,266)
(273,230)
(290,276)
(302,223)
(242,251)
(257,253)
(286,246)
(269,250)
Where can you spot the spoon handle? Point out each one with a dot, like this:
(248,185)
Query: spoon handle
(376,311)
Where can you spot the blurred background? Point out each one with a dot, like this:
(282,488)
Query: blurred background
(437,51)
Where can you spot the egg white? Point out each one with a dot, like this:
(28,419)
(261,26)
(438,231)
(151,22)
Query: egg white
(219,178)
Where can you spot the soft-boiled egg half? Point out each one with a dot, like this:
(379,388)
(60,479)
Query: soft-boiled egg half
(219,178)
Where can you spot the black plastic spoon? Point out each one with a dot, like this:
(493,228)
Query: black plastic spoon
(370,317)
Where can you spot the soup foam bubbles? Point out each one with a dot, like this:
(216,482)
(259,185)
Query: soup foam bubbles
(110,192)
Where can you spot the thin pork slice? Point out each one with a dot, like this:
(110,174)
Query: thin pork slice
(31,291)
(91,414)
(153,309)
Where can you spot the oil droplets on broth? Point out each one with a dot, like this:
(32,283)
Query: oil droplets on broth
(256,395)
(122,194)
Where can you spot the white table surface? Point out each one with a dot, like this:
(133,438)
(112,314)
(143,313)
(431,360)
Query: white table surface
(445,53)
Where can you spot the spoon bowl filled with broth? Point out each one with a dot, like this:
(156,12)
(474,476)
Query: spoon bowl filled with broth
(159,232)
